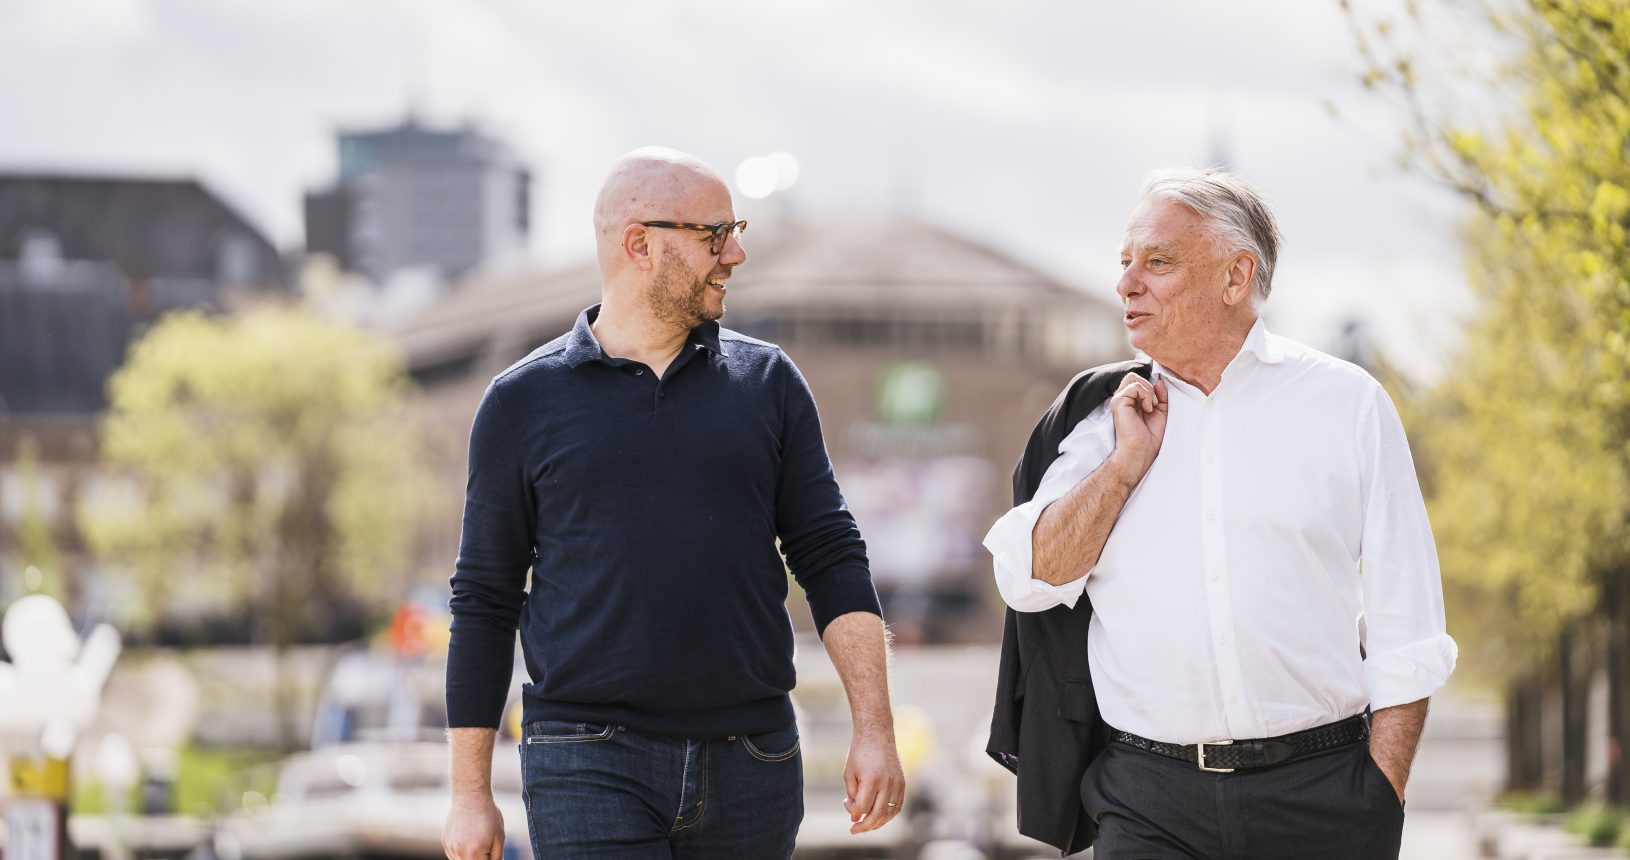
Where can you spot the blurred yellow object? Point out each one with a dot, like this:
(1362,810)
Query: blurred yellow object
(513,721)
(913,737)
(39,776)
(438,632)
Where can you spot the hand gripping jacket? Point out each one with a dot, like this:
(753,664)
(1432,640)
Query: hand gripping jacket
(1045,727)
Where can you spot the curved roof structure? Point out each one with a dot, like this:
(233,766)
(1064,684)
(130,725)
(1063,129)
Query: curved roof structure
(855,269)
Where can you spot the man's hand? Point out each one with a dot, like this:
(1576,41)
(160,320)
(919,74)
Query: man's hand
(474,829)
(1394,735)
(1069,535)
(1139,409)
(876,786)
(874,781)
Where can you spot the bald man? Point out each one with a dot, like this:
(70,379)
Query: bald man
(644,466)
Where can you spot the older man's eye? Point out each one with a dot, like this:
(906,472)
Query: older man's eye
(1125,262)
(1157,262)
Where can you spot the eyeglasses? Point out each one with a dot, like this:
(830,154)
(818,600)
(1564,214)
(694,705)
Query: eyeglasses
(719,234)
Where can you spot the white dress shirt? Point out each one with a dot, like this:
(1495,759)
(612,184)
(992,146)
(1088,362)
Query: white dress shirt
(1279,527)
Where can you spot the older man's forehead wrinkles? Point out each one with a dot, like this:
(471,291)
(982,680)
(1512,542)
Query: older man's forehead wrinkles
(1162,249)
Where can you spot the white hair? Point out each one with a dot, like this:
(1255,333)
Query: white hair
(1239,216)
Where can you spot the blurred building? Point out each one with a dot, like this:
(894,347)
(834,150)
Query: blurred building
(85,262)
(931,357)
(417,197)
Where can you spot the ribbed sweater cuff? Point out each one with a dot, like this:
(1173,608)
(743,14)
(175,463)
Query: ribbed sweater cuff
(842,591)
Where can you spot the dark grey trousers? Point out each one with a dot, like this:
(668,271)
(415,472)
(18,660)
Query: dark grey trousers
(1335,805)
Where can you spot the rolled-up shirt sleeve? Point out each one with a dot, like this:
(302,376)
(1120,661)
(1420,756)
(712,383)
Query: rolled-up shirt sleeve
(1409,653)
(1087,446)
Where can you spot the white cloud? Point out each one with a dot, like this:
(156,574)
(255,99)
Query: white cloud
(81,24)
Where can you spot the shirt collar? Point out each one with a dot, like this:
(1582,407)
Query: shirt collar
(706,336)
(1258,344)
(583,347)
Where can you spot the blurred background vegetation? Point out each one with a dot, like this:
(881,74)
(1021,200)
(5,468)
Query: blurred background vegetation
(1524,446)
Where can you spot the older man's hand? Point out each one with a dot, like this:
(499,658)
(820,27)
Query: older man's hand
(474,829)
(1139,409)
(875,782)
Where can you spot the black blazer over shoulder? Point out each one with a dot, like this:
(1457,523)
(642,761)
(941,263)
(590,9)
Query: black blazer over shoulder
(1046,727)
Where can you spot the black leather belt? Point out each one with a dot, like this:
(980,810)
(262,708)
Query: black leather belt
(1231,755)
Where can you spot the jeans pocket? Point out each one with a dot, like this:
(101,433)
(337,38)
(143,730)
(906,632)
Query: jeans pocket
(564,732)
(778,745)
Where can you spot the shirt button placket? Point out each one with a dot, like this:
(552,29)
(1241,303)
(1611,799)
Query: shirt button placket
(1219,602)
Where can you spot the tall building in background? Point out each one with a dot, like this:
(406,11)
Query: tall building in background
(412,196)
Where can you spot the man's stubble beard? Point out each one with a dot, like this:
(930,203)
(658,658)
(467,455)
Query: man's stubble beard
(676,296)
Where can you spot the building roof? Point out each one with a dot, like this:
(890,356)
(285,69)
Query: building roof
(894,260)
(149,227)
(515,306)
(364,150)
(872,266)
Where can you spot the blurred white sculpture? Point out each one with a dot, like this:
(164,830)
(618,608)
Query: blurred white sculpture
(53,683)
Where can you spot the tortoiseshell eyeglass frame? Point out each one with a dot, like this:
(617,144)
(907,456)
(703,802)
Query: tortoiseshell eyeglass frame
(718,233)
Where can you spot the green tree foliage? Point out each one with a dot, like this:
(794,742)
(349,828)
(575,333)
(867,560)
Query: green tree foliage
(269,467)
(1528,440)
(35,555)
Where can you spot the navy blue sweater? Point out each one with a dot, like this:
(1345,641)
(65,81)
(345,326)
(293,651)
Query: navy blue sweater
(648,512)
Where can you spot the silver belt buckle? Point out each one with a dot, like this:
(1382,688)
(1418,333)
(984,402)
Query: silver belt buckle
(1200,756)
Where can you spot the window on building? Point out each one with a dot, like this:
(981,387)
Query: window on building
(39,257)
(237,261)
(523,202)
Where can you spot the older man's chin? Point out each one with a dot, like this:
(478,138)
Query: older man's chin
(1139,339)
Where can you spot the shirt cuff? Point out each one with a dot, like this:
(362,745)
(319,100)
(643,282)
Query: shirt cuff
(1009,544)
(1053,595)
(1410,672)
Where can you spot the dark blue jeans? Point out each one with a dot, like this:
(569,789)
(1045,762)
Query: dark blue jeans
(600,791)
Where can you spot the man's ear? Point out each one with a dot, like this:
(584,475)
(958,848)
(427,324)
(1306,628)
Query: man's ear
(1237,287)
(636,247)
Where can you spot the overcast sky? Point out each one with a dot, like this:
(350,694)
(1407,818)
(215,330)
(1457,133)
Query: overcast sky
(1029,124)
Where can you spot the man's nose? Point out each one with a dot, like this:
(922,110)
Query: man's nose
(733,254)
(1127,286)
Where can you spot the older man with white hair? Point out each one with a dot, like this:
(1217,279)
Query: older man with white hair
(651,469)
(1227,614)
